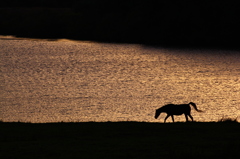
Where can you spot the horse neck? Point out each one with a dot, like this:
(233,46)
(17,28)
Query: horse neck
(160,110)
(163,109)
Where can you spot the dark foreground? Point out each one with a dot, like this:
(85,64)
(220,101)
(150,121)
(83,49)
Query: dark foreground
(120,140)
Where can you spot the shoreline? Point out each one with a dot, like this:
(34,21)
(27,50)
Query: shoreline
(171,47)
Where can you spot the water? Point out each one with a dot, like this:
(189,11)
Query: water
(71,81)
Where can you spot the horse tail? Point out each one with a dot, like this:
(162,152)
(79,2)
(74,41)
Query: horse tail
(195,107)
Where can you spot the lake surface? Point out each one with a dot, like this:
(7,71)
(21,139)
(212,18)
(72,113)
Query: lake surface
(72,81)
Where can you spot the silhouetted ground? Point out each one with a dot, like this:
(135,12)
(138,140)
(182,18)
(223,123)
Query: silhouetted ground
(120,140)
(170,23)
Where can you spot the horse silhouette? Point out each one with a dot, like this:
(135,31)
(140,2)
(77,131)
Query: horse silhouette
(172,109)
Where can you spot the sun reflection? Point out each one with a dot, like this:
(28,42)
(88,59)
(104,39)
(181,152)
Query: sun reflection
(71,81)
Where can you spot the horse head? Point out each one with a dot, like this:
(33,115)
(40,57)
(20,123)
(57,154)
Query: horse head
(158,112)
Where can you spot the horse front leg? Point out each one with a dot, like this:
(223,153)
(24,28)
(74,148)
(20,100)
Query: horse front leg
(172,118)
(166,118)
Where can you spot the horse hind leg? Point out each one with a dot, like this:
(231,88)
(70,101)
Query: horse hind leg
(186,116)
(190,116)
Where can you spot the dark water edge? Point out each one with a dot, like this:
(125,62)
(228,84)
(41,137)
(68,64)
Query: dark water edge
(173,23)
(120,140)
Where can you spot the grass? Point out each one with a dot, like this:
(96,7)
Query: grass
(119,140)
(228,120)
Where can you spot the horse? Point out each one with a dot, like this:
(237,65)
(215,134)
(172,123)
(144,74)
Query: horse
(172,109)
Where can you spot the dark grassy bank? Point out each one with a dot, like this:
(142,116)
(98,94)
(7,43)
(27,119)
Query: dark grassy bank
(120,140)
(157,22)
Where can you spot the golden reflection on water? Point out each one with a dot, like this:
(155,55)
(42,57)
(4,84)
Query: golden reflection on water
(47,81)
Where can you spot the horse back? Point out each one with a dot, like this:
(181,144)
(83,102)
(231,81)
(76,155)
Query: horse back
(172,109)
